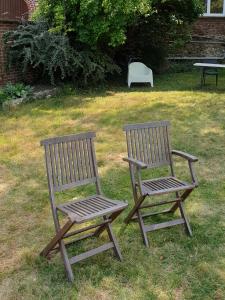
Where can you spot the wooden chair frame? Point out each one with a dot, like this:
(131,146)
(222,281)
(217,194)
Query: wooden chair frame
(149,147)
(71,162)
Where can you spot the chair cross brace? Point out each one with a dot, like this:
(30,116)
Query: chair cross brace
(62,234)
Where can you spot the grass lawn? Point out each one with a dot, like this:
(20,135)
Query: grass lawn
(175,266)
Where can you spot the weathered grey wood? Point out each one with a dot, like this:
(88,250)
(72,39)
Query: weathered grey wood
(85,229)
(134,209)
(80,238)
(166,211)
(142,228)
(114,241)
(148,146)
(183,214)
(90,208)
(183,197)
(71,162)
(158,203)
(66,138)
(163,225)
(59,235)
(146,143)
(67,265)
(112,217)
(185,155)
(90,253)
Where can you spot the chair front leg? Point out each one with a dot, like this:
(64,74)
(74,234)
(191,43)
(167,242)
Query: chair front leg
(113,216)
(134,209)
(142,228)
(183,214)
(113,240)
(192,172)
(57,238)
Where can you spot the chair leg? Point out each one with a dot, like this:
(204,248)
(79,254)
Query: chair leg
(142,228)
(134,209)
(66,262)
(183,197)
(113,216)
(202,79)
(114,241)
(56,239)
(216,79)
(183,214)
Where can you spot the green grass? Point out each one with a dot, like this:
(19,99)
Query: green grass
(175,266)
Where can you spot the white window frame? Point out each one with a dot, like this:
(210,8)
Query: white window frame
(209,14)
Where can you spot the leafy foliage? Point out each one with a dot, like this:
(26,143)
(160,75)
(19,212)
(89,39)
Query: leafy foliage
(164,30)
(12,91)
(94,21)
(3,97)
(83,39)
(34,45)
(143,28)
(17,90)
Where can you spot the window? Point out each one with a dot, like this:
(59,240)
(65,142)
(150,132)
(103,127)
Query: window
(214,8)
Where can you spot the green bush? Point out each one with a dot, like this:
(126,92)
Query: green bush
(160,32)
(35,45)
(3,97)
(18,90)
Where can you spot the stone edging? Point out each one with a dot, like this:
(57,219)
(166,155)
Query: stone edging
(12,104)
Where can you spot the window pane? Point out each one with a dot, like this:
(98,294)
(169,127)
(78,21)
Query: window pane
(216,7)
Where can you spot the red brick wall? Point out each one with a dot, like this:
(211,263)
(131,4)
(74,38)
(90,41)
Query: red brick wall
(208,39)
(6,25)
(11,76)
(211,27)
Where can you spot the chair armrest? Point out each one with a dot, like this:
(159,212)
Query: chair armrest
(185,155)
(136,162)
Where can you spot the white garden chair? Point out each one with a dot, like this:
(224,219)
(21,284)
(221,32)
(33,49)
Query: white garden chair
(139,72)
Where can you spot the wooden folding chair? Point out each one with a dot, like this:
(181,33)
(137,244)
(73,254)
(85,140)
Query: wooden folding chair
(148,146)
(71,162)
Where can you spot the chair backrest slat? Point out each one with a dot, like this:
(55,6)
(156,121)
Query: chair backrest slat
(70,161)
(149,143)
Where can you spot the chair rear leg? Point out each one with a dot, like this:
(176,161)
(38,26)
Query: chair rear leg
(114,241)
(142,228)
(183,214)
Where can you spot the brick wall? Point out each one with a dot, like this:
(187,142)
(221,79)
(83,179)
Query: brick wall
(208,39)
(210,27)
(11,76)
(6,25)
